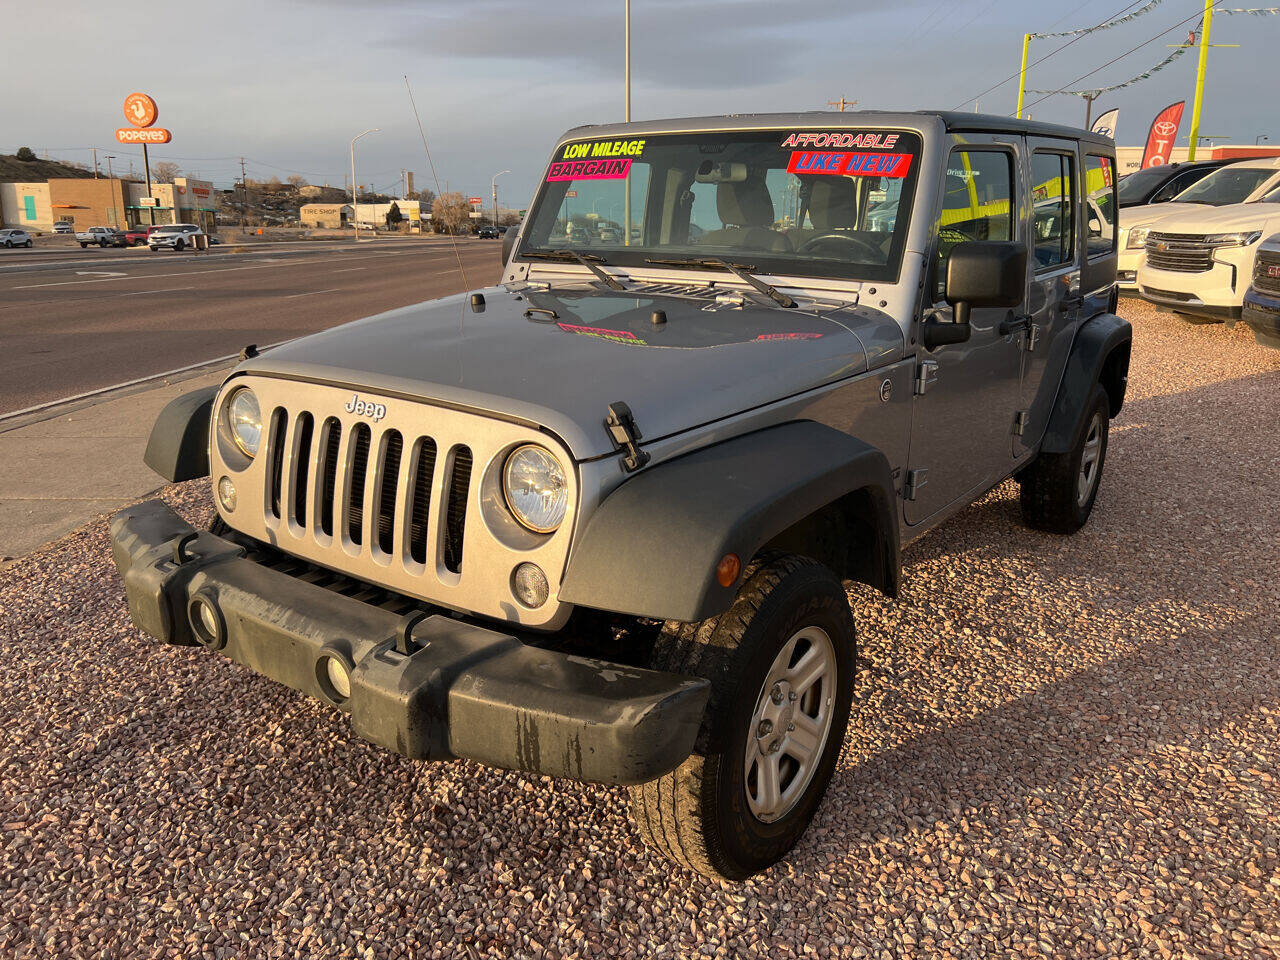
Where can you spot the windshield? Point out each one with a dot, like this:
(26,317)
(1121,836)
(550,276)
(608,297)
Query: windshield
(1227,185)
(1141,182)
(823,204)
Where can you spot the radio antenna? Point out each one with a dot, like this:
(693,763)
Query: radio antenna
(436,179)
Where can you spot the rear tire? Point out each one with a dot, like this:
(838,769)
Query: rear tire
(1059,489)
(781,663)
(177,247)
(28,244)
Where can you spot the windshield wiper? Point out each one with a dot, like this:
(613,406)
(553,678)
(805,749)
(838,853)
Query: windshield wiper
(588,260)
(739,270)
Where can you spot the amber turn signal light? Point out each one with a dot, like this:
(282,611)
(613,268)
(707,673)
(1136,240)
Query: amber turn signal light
(727,570)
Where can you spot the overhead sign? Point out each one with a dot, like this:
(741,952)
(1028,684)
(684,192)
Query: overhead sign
(135,135)
(1163,133)
(148,201)
(140,110)
(475,200)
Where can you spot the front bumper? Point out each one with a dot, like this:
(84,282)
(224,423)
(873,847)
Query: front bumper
(1212,293)
(1127,263)
(426,686)
(1261,313)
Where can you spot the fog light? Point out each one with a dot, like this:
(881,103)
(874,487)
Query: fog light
(206,623)
(529,584)
(335,677)
(227,494)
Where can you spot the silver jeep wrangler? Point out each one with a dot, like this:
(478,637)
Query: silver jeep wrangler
(595,522)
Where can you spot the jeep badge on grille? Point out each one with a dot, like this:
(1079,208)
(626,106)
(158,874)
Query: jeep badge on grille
(366,408)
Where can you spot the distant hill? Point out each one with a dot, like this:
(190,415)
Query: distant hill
(13,170)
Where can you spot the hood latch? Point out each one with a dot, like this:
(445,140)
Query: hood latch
(622,429)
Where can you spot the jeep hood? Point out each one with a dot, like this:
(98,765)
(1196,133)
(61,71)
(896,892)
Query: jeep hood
(563,371)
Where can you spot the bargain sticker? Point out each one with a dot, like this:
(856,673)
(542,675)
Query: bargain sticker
(844,164)
(611,169)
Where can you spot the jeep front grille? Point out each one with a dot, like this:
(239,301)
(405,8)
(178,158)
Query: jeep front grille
(412,503)
(364,487)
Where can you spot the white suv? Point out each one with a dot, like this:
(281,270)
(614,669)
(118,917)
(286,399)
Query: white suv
(1199,262)
(1242,182)
(175,236)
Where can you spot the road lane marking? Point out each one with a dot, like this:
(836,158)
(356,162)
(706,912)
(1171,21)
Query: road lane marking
(147,293)
(193,273)
(348,269)
(311,293)
(100,273)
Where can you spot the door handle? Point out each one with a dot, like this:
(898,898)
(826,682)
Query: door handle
(549,314)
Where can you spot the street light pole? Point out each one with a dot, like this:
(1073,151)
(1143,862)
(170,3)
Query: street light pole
(494,186)
(110,174)
(626,183)
(355,214)
(1257,141)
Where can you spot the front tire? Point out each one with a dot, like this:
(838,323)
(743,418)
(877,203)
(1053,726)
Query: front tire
(781,663)
(1059,489)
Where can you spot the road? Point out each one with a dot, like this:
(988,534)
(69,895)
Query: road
(70,329)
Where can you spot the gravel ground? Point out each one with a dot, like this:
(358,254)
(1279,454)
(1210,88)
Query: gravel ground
(1067,746)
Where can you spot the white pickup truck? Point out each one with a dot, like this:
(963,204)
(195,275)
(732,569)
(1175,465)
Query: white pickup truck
(103,237)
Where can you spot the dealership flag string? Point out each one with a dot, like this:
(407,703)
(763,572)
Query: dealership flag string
(1093,94)
(1100,26)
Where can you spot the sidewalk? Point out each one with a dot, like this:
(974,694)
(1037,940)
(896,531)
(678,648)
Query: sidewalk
(59,472)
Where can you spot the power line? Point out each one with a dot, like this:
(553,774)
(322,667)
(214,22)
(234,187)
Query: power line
(1041,60)
(1072,83)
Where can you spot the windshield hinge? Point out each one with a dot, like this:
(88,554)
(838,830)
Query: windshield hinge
(1020,421)
(926,376)
(915,480)
(625,435)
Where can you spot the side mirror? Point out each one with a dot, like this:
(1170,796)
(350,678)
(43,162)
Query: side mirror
(508,243)
(980,273)
(985,274)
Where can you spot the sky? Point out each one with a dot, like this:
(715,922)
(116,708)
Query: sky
(287,83)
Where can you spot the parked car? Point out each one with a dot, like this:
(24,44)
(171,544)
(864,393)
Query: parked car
(64,226)
(1261,308)
(102,237)
(1198,262)
(137,236)
(620,507)
(14,237)
(174,236)
(1162,183)
(1240,182)
(488,233)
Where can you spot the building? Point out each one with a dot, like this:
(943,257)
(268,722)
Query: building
(325,215)
(1129,159)
(105,202)
(375,214)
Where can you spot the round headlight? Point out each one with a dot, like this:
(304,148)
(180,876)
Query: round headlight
(534,485)
(244,421)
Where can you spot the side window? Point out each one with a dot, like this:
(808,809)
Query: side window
(1172,188)
(977,204)
(1100,205)
(1053,194)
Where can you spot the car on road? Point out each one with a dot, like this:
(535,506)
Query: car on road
(1242,181)
(601,528)
(64,226)
(1261,308)
(102,237)
(1162,183)
(137,236)
(174,236)
(488,233)
(1198,263)
(14,237)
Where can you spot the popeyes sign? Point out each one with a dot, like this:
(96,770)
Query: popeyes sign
(141,111)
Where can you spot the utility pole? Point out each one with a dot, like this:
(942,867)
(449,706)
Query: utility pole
(244,199)
(355,213)
(626,115)
(1022,74)
(842,103)
(1088,107)
(1200,69)
(95,162)
(494,184)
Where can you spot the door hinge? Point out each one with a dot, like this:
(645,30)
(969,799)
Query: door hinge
(915,480)
(1033,336)
(1020,422)
(926,376)
(622,429)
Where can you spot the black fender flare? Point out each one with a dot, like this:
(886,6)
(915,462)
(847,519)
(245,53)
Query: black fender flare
(1099,354)
(651,548)
(178,448)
